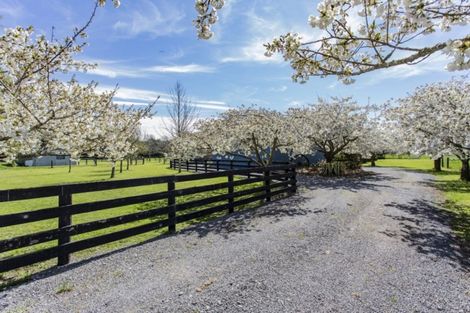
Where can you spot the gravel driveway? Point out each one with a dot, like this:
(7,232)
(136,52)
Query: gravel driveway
(374,244)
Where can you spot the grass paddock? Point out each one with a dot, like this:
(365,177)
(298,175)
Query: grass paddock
(23,177)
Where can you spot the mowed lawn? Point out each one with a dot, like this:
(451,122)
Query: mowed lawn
(21,177)
(457,192)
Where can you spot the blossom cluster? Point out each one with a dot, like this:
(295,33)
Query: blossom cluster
(362,36)
(40,113)
(207,16)
(435,118)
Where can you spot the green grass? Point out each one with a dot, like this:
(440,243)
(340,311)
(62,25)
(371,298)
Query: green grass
(21,177)
(457,192)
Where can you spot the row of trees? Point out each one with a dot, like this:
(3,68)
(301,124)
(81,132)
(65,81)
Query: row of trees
(42,111)
(433,120)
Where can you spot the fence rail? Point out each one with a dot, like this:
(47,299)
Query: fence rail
(277,180)
(210,165)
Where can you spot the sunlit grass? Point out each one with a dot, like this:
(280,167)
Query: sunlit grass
(20,177)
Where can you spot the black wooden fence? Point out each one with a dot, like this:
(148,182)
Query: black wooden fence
(279,180)
(206,166)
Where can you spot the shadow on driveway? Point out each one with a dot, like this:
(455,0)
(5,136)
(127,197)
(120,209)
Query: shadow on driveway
(426,227)
(366,180)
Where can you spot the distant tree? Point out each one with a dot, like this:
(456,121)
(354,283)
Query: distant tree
(156,147)
(329,126)
(435,118)
(250,132)
(183,114)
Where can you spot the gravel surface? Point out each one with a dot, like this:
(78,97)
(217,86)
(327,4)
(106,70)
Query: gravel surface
(373,244)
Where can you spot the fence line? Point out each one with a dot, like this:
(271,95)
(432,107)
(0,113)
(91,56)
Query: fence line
(210,165)
(277,180)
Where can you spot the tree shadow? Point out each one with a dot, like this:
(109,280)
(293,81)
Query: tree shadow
(366,180)
(242,221)
(225,225)
(427,229)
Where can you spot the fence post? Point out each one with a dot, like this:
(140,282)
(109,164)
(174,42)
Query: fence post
(205,166)
(231,164)
(294,180)
(267,183)
(171,163)
(195,163)
(217,164)
(230,192)
(187,165)
(171,206)
(65,198)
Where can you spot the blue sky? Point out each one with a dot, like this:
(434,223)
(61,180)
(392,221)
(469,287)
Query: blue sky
(145,46)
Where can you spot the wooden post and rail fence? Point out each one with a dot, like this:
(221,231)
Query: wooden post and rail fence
(273,181)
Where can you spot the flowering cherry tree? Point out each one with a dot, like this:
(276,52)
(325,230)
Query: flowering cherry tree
(115,133)
(436,120)
(41,113)
(31,98)
(329,126)
(380,136)
(251,132)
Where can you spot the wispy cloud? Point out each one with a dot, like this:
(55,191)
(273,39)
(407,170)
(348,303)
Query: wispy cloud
(279,89)
(131,96)
(189,68)
(10,8)
(262,31)
(114,69)
(263,28)
(161,20)
(434,64)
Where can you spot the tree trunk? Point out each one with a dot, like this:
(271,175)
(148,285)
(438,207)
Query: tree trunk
(179,165)
(437,165)
(328,157)
(113,169)
(70,165)
(127,164)
(465,171)
(120,166)
(372,161)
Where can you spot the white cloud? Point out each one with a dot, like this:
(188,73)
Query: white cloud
(114,69)
(295,103)
(154,126)
(434,64)
(262,30)
(161,20)
(11,8)
(189,68)
(252,52)
(131,96)
(279,89)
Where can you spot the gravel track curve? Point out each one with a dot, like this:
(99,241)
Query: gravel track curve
(379,243)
